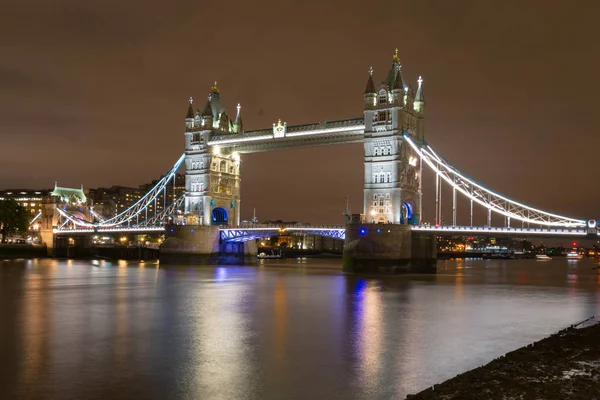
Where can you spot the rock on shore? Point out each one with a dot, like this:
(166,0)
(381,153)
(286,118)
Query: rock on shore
(565,365)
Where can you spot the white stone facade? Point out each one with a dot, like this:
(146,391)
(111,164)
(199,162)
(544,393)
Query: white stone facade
(392,192)
(212,174)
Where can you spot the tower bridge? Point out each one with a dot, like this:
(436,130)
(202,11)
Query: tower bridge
(390,231)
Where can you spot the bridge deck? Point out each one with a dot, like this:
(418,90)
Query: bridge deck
(250,232)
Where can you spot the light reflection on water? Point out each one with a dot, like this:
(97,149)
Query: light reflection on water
(75,329)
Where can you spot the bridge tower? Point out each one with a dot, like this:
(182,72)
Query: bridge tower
(392,191)
(212,174)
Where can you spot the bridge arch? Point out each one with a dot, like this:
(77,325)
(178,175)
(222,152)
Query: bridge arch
(219,216)
(408,213)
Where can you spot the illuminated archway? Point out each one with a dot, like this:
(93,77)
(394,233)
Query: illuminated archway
(219,216)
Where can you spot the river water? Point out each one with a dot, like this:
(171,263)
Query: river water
(281,330)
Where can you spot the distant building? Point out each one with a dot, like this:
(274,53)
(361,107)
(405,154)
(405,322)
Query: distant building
(111,201)
(31,199)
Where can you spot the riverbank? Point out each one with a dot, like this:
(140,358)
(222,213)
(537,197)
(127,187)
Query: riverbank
(9,251)
(565,365)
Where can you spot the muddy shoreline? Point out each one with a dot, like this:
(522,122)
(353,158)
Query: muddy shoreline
(565,365)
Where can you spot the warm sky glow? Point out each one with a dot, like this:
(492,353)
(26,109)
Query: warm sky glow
(96,92)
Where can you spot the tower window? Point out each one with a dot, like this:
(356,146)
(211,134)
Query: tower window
(383,98)
(383,116)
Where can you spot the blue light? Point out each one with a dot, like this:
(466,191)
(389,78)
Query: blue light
(363,231)
(191,230)
(172,230)
(378,230)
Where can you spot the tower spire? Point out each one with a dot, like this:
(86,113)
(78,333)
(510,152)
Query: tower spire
(215,89)
(370,85)
(419,98)
(395,70)
(190,111)
(238,120)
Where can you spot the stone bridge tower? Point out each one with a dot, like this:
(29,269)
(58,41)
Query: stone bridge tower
(392,169)
(212,175)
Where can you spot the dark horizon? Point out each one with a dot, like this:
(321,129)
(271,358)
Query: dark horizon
(96,94)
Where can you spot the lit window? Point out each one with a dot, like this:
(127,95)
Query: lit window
(383,97)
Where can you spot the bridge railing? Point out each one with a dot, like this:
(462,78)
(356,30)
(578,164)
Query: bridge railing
(470,229)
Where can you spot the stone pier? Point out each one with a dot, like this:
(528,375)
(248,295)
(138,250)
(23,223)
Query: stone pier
(388,248)
(201,245)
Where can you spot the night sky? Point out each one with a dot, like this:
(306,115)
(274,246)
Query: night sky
(95,92)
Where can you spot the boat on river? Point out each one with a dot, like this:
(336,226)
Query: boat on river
(264,256)
(574,255)
(542,257)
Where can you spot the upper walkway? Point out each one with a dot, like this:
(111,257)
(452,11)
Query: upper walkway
(282,136)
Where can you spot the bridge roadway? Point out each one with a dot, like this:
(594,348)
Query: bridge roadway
(251,232)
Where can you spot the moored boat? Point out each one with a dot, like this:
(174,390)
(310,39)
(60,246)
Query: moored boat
(574,255)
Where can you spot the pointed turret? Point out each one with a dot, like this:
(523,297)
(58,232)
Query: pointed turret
(398,86)
(215,102)
(189,118)
(370,92)
(370,85)
(190,111)
(419,103)
(395,70)
(239,127)
(207,110)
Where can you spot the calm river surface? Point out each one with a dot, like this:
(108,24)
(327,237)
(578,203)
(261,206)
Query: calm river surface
(293,330)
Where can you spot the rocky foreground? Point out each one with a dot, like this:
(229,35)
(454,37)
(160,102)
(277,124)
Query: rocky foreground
(565,365)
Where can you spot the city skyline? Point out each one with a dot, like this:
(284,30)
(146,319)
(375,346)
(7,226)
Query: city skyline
(509,101)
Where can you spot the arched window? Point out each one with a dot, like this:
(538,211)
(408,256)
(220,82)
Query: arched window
(389,177)
(375,178)
(389,150)
(201,164)
(223,166)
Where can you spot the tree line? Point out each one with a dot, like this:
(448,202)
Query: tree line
(14,219)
